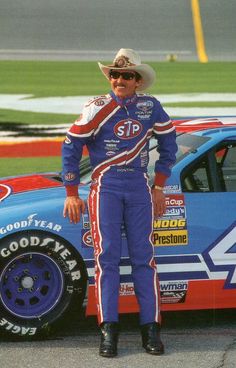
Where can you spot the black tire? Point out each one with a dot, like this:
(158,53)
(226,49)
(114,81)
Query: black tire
(43,280)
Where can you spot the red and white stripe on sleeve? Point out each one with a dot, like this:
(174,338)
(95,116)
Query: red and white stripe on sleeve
(92,119)
(163,128)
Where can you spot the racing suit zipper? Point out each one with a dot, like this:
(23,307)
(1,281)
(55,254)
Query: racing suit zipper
(127,111)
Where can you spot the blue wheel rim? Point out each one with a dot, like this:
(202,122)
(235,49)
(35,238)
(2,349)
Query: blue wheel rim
(31,285)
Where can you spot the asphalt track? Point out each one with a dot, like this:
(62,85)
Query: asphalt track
(82,30)
(192,340)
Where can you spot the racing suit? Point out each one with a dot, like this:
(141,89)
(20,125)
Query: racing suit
(117,133)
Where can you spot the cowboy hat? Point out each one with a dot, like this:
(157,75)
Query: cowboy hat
(128,59)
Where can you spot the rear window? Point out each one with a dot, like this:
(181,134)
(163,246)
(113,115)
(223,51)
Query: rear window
(188,143)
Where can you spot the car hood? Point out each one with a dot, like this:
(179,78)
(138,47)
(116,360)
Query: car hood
(32,188)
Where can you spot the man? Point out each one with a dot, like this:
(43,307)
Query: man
(117,128)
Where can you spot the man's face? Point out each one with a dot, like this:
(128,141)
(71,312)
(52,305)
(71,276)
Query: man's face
(123,83)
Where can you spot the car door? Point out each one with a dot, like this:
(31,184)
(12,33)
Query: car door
(209,186)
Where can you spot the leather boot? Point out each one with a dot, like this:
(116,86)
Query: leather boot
(151,338)
(109,339)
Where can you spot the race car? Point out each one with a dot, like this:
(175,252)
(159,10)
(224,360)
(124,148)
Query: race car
(47,263)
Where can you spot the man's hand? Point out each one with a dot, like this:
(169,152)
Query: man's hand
(159,202)
(73,208)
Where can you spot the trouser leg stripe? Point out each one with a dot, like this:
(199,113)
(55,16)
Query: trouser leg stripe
(94,200)
(153,265)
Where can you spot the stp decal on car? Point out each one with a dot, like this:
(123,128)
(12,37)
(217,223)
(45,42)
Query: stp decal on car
(5,191)
(171,229)
(87,240)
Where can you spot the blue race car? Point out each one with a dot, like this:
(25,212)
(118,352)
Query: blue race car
(47,263)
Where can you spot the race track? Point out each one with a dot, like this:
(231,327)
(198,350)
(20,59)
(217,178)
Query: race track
(82,30)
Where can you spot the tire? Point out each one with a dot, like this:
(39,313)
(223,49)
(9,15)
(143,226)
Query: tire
(43,280)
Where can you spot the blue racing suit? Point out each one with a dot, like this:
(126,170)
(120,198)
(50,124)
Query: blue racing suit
(117,133)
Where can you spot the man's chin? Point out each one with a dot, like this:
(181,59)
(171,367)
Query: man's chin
(121,93)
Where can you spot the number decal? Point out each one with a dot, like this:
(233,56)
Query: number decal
(221,257)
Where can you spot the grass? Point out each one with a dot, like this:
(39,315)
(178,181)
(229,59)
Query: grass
(54,78)
(27,117)
(19,166)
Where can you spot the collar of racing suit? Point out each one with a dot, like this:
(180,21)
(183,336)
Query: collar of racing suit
(124,101)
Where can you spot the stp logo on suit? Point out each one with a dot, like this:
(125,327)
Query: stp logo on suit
(128,129)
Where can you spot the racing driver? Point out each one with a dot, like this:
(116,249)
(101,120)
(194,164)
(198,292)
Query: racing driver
(116,128)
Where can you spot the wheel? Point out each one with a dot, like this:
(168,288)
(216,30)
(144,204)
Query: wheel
(43,280)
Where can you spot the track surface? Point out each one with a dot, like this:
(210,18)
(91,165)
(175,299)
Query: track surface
(201,340)
(81,29)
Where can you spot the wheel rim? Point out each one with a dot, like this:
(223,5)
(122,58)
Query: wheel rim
(31,285)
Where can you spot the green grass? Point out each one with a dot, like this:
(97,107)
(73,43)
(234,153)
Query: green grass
(19,166)
(27,117)
(57,78)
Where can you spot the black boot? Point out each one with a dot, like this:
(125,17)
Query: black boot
(109,339)
(151,338)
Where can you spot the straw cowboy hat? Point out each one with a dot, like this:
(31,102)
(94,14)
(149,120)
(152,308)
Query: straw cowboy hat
(128,59)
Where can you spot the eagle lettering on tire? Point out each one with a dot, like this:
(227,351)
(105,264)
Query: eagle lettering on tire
(43,280)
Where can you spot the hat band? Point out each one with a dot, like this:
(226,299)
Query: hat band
(122,62)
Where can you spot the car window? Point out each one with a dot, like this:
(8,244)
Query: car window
(197,177)
(226,161)
(186,143)
(213,172)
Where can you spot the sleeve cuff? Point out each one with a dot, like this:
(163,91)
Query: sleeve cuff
(71,190)
(160,179)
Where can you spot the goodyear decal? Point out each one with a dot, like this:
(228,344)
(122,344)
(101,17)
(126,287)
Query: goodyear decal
(171,229)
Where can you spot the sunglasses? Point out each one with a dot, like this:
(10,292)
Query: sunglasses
(125,75)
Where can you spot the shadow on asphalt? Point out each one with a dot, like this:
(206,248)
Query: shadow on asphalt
(129,323)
